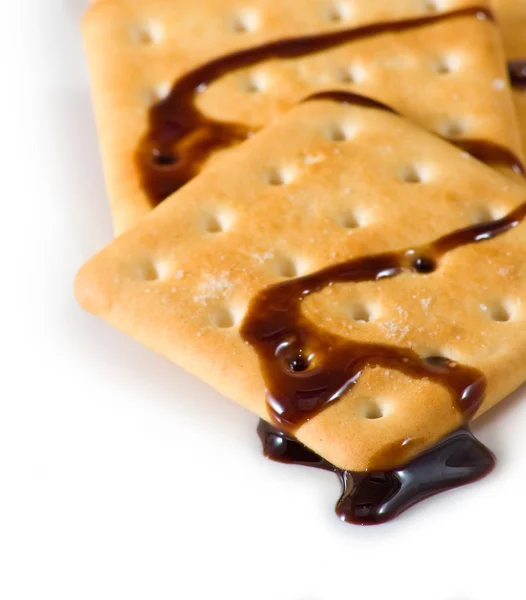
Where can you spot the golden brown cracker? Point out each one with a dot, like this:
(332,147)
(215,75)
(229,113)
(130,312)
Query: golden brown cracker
(449,75)
(294,199)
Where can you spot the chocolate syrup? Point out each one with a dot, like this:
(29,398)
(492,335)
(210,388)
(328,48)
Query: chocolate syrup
(483,150)
(180,137)
(379,496)
(517,73)
(306,368)
(491,153)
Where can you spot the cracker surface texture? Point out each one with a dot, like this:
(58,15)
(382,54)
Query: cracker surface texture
(442,75)
(294,199)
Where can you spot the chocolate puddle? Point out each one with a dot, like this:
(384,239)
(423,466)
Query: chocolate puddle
(379,496)
(305,368)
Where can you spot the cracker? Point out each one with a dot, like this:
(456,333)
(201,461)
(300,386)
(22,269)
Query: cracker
(330,181)
(446,75)
(512,19)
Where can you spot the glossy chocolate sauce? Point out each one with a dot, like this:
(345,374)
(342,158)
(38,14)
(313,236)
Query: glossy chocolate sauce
(180,137)
(491,153)
(379,496)
(483,150)
(517,73)
(305,368)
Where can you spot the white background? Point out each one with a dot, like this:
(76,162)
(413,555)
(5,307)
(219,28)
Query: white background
(123,477)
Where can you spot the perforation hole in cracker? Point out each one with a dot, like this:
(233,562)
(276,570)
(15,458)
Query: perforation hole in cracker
(373,409)
(280,175)
(437,359)
(244,21)
(351,74)
(350,219)
(484,214)
(446,64)
(413,174)
(254,82)
(454,128)
(147,33)
(424,265)
(498,311)
(148,270)
(217,221)
(341,132)
(338,12)
(287,266)
(222,317)
(360,311)
(156,93)
(432,6)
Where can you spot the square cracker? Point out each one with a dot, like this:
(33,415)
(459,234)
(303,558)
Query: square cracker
(512,19)
(448,75)
(295,199)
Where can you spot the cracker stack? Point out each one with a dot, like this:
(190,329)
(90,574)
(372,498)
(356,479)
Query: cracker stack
(447,73)
(249,152)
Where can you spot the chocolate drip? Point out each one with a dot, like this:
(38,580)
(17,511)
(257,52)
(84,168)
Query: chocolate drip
(483,150)
(180,137)
(517,73)
(379,496)
(305,368)
(491,153)
(350,98)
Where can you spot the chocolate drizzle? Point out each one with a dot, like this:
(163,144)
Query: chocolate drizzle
(491,153)
(180,137)
(305,368)
(379,496)
(483,150)
(350,98)
(517,73)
